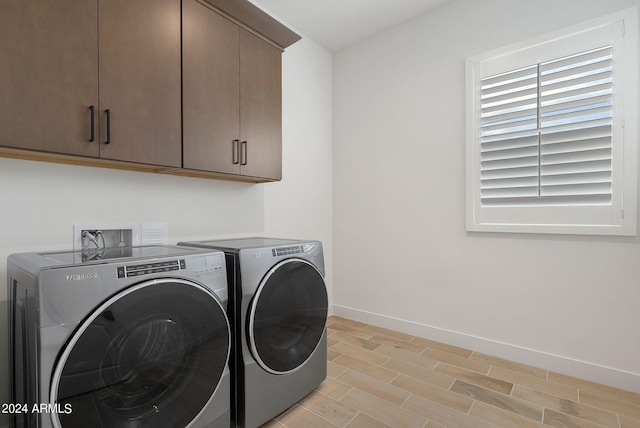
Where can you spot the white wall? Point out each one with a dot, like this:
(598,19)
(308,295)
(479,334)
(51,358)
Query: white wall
(40,202)
(402,257)
(301,205)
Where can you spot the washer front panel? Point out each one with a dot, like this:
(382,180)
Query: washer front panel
(287,316)
(151,356)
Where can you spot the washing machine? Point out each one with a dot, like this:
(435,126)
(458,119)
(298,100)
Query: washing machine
(134,337)
(279,304)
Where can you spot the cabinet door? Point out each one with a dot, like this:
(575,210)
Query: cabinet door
(48,75)
(260,107)
(140,81)
(211,96)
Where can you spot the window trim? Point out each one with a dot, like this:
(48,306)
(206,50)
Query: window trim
(619,218)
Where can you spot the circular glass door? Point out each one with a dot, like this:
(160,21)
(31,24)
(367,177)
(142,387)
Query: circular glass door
(151,356)
(287,316)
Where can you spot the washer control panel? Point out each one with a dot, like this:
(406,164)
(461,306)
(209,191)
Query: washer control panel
(150,268)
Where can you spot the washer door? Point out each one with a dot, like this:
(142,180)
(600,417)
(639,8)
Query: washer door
(287,316)
(151,356)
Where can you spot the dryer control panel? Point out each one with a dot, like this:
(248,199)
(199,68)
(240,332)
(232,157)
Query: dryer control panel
(213,263)
(286,251)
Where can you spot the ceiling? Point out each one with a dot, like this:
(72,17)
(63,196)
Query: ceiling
(336,24)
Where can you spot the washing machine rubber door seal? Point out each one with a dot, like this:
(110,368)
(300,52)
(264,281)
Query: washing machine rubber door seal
(287,316)
(152,356)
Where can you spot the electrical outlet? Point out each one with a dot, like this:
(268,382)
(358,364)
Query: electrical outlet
(96,236)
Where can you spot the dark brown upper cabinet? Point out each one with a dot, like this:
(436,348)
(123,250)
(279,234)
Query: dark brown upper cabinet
(49,75)
(210,90)
(100,83)
(95,79)
(232,97)
(260,108)
(140,81)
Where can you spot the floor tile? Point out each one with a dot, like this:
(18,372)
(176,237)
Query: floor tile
(454,360)
(382,410)
(299,417)
(509,365)
(366,368)
(341,337)
(607,391)
(568,407)
(450,349)
(273,424)
(475,378)
(357,332)
(365,421)
(562,420)
(500,417)
(389,333)
(432,424)
(378,378)
(424,374)
(346,321)
(360,353)
(496,399)
(443,415)
(397,343)
(333,388)
(332,355)
(556,389)
(329,409)
(614,406)
(374,387)
(434,393)
(407,357)
(334,370)
(626,422)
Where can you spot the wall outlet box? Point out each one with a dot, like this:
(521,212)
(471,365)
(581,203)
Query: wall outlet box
(112,235)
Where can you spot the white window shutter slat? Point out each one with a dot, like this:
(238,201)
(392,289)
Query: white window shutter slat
(564,108)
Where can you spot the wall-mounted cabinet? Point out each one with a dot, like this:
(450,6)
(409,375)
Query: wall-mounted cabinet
(93,79)
(48,75)
(260,108)
(99,82)
(232,97)
(140,81)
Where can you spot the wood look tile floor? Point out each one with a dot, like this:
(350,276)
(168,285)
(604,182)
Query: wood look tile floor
(382,378)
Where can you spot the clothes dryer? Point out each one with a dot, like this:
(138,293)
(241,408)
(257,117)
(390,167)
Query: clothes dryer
(279,304)
(132,338)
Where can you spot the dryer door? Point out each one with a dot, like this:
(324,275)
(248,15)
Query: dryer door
(287,316)
(150,356)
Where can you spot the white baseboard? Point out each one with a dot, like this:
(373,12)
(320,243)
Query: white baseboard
(557,363)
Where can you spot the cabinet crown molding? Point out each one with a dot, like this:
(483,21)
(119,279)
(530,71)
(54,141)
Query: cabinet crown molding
(257,20)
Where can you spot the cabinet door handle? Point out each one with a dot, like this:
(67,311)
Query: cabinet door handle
(108,112)
(244,152)
(236,152)
(93,124)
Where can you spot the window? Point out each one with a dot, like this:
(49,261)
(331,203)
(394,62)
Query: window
(548,146)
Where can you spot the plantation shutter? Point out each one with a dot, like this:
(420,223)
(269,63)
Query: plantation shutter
(546,132)
(548,146)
